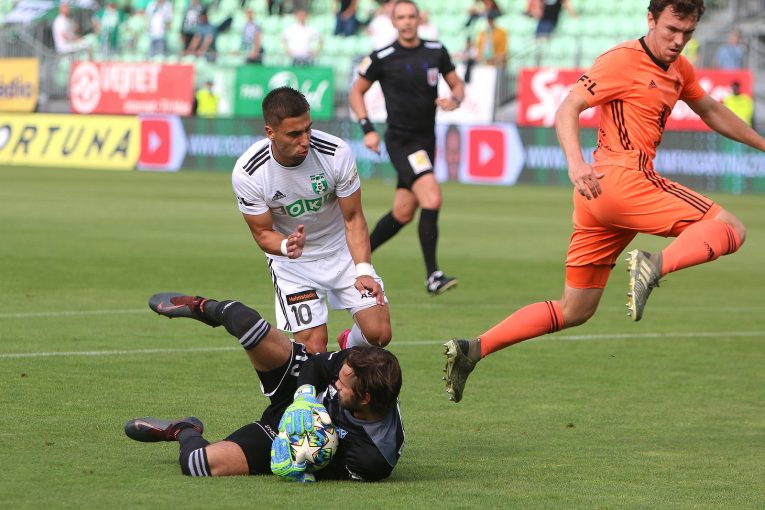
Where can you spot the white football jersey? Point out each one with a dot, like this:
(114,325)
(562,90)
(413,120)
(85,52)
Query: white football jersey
(304,194)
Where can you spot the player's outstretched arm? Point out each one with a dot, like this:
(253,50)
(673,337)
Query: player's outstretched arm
(357,237)
(717,116)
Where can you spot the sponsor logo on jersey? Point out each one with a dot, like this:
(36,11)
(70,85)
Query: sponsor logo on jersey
(303,206)
(652,85)
(278,196)
(302,297)
(319,183)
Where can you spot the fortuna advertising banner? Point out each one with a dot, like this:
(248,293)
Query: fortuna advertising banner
(72,141)
(130,88)
(541,91)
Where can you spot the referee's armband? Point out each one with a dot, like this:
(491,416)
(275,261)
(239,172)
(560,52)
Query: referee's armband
(366,125)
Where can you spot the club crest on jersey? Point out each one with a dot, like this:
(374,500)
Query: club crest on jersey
(433,77)
(319,183)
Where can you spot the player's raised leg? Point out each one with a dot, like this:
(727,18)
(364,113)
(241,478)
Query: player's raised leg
(696,243)
(371,327)
(534,320)
(267,347)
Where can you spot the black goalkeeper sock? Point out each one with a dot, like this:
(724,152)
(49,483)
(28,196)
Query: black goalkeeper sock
(386,228)
(428,230)
(193,456)
(240,320)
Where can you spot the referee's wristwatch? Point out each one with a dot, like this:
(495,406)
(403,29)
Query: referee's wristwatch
(366,125)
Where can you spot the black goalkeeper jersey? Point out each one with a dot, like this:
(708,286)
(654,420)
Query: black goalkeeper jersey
(409,81)
(368,450)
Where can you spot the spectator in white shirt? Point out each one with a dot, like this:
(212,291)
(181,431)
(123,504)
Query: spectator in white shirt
(65,37)
(159,15)
(301,42)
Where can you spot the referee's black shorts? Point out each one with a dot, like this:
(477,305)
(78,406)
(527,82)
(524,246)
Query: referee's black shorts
(412,154)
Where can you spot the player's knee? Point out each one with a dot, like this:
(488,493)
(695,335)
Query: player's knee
(736,224)
(314,344)
(404,215)
(380,335)
(741,231)
(577,315)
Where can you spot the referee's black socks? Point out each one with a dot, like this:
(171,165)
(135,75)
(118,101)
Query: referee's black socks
(386,228)
(428,230)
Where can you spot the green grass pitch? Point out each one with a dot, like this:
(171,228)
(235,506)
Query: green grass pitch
(664,413)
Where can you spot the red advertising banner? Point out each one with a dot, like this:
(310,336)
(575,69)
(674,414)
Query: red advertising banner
(541,90)
(130,88)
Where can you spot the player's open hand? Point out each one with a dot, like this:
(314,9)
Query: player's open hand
(447,104)
(366,284)
(296,242)
(372,141)
(585,180)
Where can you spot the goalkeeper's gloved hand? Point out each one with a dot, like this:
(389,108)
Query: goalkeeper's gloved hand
(298,417)
(283,464)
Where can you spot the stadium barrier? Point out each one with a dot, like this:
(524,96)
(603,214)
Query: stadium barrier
(497,153)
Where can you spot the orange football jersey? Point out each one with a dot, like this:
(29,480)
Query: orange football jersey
(636,93)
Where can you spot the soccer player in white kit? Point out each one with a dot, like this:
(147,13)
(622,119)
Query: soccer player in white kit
(300,194)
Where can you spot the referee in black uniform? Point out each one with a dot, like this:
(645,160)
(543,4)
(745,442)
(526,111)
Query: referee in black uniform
(408,73)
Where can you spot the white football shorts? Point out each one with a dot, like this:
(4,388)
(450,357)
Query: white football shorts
(304,287)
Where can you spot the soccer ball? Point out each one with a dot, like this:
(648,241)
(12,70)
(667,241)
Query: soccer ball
(317,448)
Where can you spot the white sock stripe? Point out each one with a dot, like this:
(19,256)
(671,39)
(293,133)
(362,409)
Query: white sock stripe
(229,304)
(198,463)
(191,464)
(255,334)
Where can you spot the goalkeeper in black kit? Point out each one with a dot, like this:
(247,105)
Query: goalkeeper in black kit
(358,387)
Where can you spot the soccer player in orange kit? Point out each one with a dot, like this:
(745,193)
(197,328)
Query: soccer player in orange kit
(636,83)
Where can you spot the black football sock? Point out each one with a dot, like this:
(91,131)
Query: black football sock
(193,457)
(386,228)
(428,230)
(240,320)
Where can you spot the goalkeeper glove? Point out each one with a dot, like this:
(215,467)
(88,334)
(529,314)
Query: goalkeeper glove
(298,417)
(283,465)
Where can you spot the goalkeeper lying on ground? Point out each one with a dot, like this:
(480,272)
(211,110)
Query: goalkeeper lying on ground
(359,388)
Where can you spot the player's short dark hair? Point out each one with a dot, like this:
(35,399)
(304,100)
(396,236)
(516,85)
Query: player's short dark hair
(681,8)
(378,373)
(283,103)
(398,2)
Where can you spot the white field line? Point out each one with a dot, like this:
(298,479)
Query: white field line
(403,343)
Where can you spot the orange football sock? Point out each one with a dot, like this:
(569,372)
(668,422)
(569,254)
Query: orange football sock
(530,321)
(702,242)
